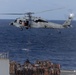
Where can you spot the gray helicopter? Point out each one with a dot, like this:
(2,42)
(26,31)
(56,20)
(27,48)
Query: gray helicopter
(29,21)
(36,22)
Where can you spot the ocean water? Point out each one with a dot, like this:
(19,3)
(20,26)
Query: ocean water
(42,44)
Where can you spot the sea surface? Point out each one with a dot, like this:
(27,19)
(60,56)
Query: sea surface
(58,46)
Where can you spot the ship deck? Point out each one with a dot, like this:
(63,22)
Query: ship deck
(65,72)
(68,72)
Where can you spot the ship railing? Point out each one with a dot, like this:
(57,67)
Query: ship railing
(4,55)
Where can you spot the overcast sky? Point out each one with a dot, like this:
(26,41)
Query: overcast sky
(23,6)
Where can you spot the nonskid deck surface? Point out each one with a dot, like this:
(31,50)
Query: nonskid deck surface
(68,72)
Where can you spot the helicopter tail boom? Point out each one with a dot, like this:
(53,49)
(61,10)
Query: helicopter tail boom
(67,23)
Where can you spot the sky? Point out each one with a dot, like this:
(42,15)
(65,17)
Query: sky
(23,6)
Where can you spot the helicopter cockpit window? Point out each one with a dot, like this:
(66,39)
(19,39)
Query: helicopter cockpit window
(20,22)
(40,20)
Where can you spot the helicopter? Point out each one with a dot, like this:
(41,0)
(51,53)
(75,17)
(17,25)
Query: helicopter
(29,21)
(36,22)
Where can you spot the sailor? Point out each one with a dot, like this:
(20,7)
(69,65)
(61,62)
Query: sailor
(27,61)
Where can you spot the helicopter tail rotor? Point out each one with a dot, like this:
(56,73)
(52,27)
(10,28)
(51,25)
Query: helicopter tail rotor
(71,15)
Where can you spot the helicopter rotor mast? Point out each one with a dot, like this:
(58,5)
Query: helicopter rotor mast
(30,17)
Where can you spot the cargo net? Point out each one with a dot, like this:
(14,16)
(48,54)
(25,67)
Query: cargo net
(3,55)
(38,68)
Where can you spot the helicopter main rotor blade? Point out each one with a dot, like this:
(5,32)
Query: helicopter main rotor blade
(12,13)
(17,13)
(29,13)
(50,10)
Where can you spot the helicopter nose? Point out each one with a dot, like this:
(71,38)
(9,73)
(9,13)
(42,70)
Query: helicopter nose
(11,23)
